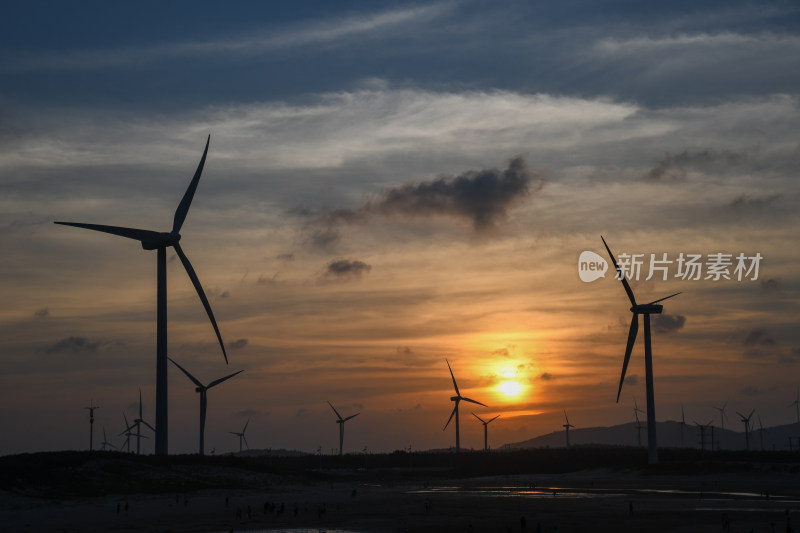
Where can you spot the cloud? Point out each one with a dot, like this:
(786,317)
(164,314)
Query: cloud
(666,323)
(771,285)
(481,197)
(758,337)
(751,391)
(346,269)
(404,350)
(74,346)
(674,167)
(546,376)
(632,379)
(41,313)
(746,201)
(237,344)
(265,41)
(249,412)
(502,351)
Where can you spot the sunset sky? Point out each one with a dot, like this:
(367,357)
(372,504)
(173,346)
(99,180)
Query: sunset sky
(390,184)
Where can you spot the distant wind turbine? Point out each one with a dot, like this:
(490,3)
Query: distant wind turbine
(485,430)
(105,441)
(138,424)
(341,422)
(152,240)
(91,409)
(566,427)
(241,436)
(682,424)
(203,389)
(457,399)
(746,421)
(722,417)
(652,308)
(796,404)
(761,432)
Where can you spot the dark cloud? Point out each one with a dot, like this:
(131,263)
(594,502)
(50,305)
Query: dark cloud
(751,391)
(673,167)
(405,350)
(771,286)
(74,346)
(746,201)
(345,269)
(262,280)
(482,197)
(301,413)
(285,257)
(758,337)
(249,412)
(237,344)
(41,313)
(666,323)
(546,376)
(502,352)
(632,379)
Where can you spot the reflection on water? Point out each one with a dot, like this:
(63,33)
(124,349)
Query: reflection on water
(289,530)
(583,492)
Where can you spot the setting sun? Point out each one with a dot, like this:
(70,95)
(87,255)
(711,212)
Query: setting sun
(510,387)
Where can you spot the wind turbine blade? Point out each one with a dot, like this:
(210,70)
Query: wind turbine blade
(196,282)
(474,401)
(130,233)
(740,414)
(245,426)
(140,403)
(479,418)
(183,207)
(751,414)
(246,445)
(565,416)
(452,376)
(496,416)
(621,275)
(628,349)
(148,425)
(683,417)
(351,416)
(335,411)
(662,299)
(220,380)
(188,375)
(451,417)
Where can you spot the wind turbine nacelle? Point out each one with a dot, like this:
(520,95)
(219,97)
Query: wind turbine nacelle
(164,240)
(648,309)
(455,398)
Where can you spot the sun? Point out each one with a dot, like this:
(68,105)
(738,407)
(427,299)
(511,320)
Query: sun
(510,388)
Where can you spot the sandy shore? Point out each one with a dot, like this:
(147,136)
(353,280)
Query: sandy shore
(597,501)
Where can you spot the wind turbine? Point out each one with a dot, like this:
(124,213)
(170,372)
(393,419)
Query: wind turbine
(761,432)
(485,430)
(341,422)
(457,399)
(105,441)
(722,417)
(91,409)
(566,427)
(638,426)
(203,389)
(652,308)
(796,404)
(682,424)
(241,436)
(152,240)
(746,420)
(137,423)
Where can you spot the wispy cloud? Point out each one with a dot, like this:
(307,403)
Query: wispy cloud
(327,32)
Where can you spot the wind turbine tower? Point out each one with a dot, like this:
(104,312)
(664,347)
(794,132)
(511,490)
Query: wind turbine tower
(682,424)
(566,427)
(203,389)
(722,417)
(457,399)
(241,436)
(796,404)
(91,409)
(341,421)
(160,241)
(485,430)
(652,308)
(746,421)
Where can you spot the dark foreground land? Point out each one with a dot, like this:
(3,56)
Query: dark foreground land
(579,490)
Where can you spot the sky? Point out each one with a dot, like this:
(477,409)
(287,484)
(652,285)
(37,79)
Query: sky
(390,185)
